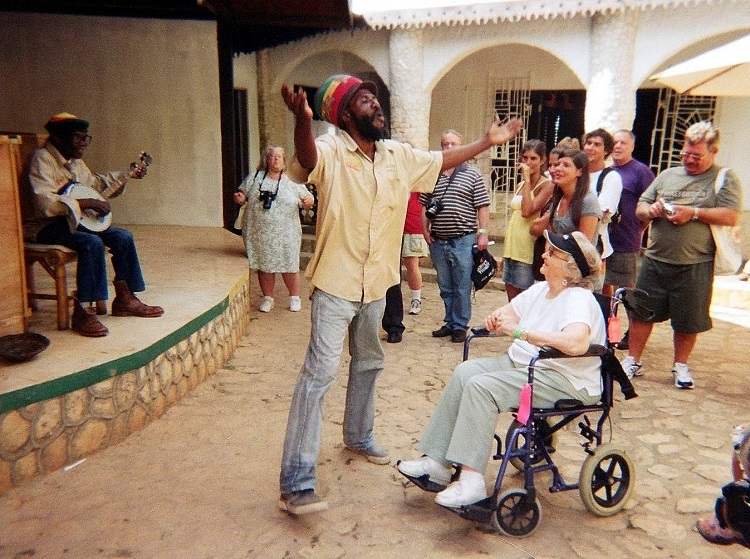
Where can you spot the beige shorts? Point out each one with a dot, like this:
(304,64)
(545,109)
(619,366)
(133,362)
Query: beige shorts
(414,245)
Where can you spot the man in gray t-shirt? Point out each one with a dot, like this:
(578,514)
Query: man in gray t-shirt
(677,269)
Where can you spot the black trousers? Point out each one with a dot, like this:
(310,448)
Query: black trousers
(393,317)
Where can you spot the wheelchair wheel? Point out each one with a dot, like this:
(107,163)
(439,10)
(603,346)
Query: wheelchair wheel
(515,515)
(607,480)
(543,428)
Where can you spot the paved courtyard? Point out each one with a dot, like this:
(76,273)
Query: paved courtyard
(202,482)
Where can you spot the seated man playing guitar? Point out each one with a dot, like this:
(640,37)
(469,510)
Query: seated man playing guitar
(67,198)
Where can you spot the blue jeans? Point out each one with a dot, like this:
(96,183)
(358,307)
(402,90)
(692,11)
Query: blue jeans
(91,273)
(453,262)
(331,318)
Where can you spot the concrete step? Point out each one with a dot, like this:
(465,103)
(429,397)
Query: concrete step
(730,292)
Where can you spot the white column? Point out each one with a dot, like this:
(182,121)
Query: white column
(272,113)
(610,98)
(410,104)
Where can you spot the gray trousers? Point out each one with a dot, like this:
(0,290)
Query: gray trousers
(461,429)
(331,319)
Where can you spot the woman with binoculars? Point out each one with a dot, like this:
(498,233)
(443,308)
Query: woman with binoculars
(271,226)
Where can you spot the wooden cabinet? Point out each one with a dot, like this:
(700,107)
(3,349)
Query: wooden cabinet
(14,310)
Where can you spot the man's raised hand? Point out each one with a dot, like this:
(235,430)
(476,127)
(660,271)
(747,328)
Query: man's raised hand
(296,101)
(501,133)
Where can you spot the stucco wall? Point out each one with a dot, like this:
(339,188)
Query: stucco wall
(144,84)
(461,62)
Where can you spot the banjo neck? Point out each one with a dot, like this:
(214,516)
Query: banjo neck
(89,218)
(143,162)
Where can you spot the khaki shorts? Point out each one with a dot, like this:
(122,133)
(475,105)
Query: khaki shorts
(681,293)
(622,269)
(414,245)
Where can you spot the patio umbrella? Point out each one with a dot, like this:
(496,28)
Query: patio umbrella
(723,71)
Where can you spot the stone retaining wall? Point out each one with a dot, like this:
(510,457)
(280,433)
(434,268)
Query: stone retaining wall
(47,435)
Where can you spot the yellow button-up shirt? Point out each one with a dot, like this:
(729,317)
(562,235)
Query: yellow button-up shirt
(361,212)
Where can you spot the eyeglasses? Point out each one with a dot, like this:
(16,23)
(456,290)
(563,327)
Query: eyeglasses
(692,156)
(82,138)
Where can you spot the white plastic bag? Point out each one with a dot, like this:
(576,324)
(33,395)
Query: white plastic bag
(728,258)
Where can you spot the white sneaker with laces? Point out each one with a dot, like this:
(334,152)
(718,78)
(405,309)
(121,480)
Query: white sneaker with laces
(682,377)
(416,306)
(463,492)
(417,468)
(266,304)
(295,303)
(632,367)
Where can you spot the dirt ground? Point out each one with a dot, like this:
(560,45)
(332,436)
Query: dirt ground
(202,482)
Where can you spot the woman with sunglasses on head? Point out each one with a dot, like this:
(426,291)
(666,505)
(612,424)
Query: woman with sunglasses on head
(574,206)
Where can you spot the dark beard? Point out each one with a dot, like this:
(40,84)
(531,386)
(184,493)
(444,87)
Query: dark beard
(365,128)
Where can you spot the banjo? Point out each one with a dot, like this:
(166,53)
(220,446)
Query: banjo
(89,218)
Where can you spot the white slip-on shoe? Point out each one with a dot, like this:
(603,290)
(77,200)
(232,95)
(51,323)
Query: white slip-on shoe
(436,472)
(462,492)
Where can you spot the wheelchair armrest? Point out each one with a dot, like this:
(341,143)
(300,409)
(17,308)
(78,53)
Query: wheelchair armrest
(547,352)
(482,332)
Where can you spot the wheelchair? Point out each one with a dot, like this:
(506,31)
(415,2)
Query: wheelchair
(607,477)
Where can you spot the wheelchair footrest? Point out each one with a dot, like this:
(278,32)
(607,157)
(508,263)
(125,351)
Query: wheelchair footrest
(424,483)
(481,511)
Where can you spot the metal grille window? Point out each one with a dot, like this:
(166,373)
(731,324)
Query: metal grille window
(675,113)
(511,100)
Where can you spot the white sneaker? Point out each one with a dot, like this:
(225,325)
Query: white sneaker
(682,377)
(266,304)
(632,367)
(462,492)
(416,306)
(295,304)
(417,468)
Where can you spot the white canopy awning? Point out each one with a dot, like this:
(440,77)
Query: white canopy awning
(723,71)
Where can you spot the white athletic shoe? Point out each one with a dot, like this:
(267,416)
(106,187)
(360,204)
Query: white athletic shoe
(682,377)
(295,304)
(416,306)
(632,367)
(266,304)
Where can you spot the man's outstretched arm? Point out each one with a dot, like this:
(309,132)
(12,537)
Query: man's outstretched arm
(496,135)
(304,142)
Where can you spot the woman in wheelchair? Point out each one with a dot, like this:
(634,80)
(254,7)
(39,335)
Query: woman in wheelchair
(560,312)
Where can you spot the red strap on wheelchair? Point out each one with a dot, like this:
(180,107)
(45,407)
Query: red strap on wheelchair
(524,404)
